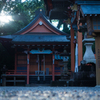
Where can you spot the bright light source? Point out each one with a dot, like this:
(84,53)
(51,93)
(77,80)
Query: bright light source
(23,0)
(61,28)
(5,18)
(56,23)
(68,26)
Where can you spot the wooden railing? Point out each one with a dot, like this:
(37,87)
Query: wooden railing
(24,72)
(16,72)
(58,72)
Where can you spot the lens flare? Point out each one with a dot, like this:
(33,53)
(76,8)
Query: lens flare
(5,18)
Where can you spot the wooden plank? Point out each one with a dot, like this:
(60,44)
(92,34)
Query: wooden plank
(22,62)
(33,63)
(15,81)
(20,56)
(48,62)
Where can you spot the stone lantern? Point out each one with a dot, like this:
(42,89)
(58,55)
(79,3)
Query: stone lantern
(89,55)
(65,62)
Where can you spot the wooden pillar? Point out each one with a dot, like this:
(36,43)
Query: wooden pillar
(38,67)
(15,59)
(53,67)
(79,40)
(44,65)
(28,56)
(97,48)
(72,51)
(14,81)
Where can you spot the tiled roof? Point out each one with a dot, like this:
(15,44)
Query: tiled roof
(37,38)
(90,9)
(82,2)
(40,15)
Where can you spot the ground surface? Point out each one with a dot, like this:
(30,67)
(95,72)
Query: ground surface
(49,93)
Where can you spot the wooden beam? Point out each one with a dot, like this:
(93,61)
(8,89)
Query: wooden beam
(15,80)
(80,46)
(44,66)
(72,51)
(28,58)
(53,66)
(38,67)
(97,49)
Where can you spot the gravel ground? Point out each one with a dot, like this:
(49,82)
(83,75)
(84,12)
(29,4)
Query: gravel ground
(49,93)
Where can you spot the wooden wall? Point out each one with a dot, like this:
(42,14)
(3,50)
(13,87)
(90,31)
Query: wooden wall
(48,62)
(21,62)
(33,63)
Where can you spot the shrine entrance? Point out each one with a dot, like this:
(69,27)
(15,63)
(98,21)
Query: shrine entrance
(41,67)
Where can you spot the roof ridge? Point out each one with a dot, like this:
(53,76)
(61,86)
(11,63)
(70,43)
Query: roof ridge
(35,20)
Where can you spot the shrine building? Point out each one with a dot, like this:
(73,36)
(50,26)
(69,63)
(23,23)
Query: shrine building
(37,49)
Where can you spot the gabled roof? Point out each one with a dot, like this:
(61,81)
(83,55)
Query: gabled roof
(84,2)
(40,25)
(42,38)
(90,9)
(39,31)
(36,39)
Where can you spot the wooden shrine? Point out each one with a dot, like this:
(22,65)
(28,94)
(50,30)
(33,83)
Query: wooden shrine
(37,49)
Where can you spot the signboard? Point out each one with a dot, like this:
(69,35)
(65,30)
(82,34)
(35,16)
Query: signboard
(40,51)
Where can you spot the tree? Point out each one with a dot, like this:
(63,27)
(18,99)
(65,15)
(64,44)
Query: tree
(22,14)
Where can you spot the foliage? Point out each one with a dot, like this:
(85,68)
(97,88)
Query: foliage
(65,26)
(22,14)
(66,29)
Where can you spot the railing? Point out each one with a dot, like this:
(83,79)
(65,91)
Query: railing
(24,72)
(58,72)
(16,72)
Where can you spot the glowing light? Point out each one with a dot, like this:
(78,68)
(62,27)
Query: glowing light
(5,18)
(26,0)
(23,0)
(56,23)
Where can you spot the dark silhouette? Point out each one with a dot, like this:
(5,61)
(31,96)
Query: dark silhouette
(4,69)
